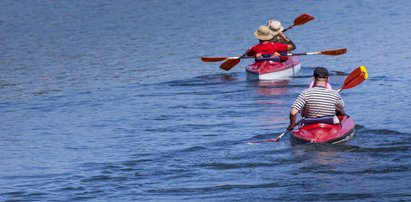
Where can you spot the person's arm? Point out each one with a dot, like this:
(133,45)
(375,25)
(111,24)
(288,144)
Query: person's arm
(339,106)
(290,44)
(250,52)
(293,118)
(298,105)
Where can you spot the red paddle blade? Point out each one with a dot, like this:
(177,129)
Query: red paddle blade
(217,59)
(278,138)
(213,59)
(355,78)
(227,65)
(270,140)
(334,52)
(302,19)
(273,140)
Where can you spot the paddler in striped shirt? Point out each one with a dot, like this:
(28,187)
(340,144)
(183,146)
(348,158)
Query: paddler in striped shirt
(318,101)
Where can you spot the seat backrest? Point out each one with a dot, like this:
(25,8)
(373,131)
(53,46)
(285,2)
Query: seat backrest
(325,119)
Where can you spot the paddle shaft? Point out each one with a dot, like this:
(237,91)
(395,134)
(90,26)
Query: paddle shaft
(278,137)
(308,53)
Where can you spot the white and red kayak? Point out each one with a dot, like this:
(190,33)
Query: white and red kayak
(272,70)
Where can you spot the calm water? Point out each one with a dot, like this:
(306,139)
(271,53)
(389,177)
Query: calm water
(109,101)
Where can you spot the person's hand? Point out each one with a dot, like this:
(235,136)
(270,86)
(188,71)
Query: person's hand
(281,34)
(259,55)
(276,54)
(291,126)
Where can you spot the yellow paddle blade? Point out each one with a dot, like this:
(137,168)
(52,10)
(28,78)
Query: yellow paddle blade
(364,72)
(356,77)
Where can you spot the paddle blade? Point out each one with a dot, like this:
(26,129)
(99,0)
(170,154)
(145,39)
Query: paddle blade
(356,77)
(217,59)
(334,52)
(302,19)
(213,59)
(270,140)
(227,65)
(278,138)
(273,140)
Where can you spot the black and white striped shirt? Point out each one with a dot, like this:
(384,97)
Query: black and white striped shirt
(318,102)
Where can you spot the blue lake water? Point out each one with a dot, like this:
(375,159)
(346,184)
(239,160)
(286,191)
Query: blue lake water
(109,101)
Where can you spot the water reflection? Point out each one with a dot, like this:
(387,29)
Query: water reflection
(228,77)
(321,154)
(276,87)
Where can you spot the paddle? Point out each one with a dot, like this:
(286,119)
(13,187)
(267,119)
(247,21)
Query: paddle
(300,20)
(217,59)
(326,52)
(278,137)
(356,77)
(230,63)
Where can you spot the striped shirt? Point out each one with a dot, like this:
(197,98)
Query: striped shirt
(318,102)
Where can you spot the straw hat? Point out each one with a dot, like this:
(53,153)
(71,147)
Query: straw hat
(275,27)
(263,33)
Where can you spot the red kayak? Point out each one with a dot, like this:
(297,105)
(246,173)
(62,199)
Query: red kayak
(325,132)
(272,70)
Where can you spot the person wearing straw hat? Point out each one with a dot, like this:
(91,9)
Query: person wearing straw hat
(278,36)
(266,48)
(277,31)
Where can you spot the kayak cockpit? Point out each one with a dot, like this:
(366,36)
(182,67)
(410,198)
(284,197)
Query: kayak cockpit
(325,132)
